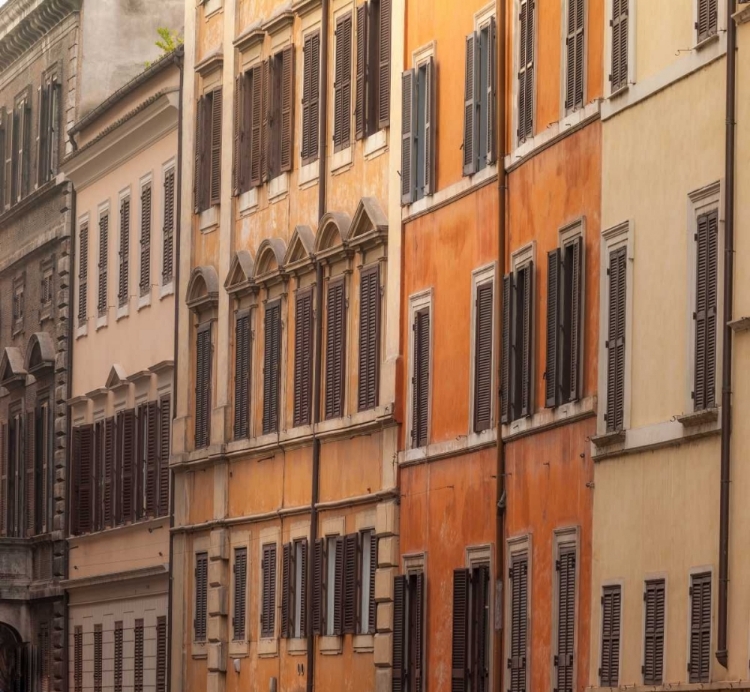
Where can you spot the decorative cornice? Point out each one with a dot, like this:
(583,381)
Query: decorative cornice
(213,61)
(252,36)
(279,22)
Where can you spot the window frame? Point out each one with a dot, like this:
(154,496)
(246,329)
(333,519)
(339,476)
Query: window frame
(566,110)
(246,614)
(419,301)
(695,572)
(520,545)
(168,168)
(122,197)
(272,639)
(516,89)
(650,578)
(102,313)
(482,276)
(562,538)
(199,555)
(610,584)
(609,92)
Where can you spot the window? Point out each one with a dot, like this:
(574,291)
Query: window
(565,567)
(78,659)
(49,127)
(564,319)
(294,589)
(240,594)
(342,86)
(480,99)
(418,132)
(367,605)
(311,99)
(371,111)
(574,55)
(334,556)
(420,380)
(408,631)
(706,309)
(6,128)
(335,348)
(145,281)
(526,41)
(249,156)
(118,657)
(207,174)
(125,510)
(103,244)
(138,656)
(303,355)
(165,438)
(280,113)
(707,23)
(484,308)
(18,302)
(242,338)
(167,266)
(615,343)
(47,287)
(268,597)
(609,670)
(124,250)
(43,436)
(97,658)
(201,596)
(518,324)
(653,636)
(471,629)
(161,654)
(203,386)
(272,367)
(18,149)
(369,337)
(700,627)
(619,70)
(519,614)
(83,273)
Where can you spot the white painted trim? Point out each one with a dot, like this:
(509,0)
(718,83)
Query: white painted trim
(569,535)
(340,160)
(167,167)
(376,144)
(483,16)
(417,301)
(632,30)
(414,563)
(422,54)
(278,187)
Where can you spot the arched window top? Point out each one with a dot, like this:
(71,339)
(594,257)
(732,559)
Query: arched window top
(203,288)
(40,352)
(270,261)
(333,233)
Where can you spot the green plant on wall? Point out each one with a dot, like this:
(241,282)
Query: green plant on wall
(169,40)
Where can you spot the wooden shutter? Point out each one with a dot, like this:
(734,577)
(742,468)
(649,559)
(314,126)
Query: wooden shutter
(369,337)
(267,103)
(706,25)
(215,187)
(201,596)
(384,65)
(653,636)
(418,601)
(430,128)
(338,587)
(311,98)
(566,614)
(461,662)
(98,658)
(287,579)
(483,340)
(342,86)
(303,351)
(4,478)
(505,369)
(573,309)
(287,109)
(24,154)
(42,171)
(203,386)
(335,348)
(303,589)
(421,378)
(271,368)
(707,247)
(408,129)
(268,606)
(239,133)
(615,343)
(198,166)
(523,340)
(256,125)
(471,135)
(108,483)
(165,436)
(700,627)
(554,283)
(609,672)
(398,681)
(240,594)
(352,583)
(78,659)
(118,657)
(124,250)
(360,99)
(128,433)
(526,71)
(138,656)
(518,622)
(574,55)
(54,126)
(318,587)
(83,273)
(480,595)
(372,615)
(161,654)
(167,266)
(103,259)
(4,137)
(145,282)
(619,23)
(30,468)
(152,457)
(82,504)
(242,376)
(491,91)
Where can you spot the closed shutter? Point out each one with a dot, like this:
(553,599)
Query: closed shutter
(480,584)
(30,468)
(707,251)
(303,351)
(700,627)
(118,657)
(4,136)
(165,436)
(255,114)
(653,644)
(461,662)
(609,672)
(430,127)
(152,457)
(518,622)
(335,349)
(418,594)
(167,267)
(103,258)
(483,358)
(239,133)
(268,608)
(338,588)
(708,13)
(265,131)
(471,135)
(145,282)
(554,282)
(7,153)
(619,23)
(4,478)
(616,339)
(523,340)
(198,165)
(408,128)
(287,587)
(141,455)
(491,91)
(201,596)
(566,614)
(84,459)
(128,433)
(505,370)
(311,98)
(287,109)
(526,71)
(319,588)
(203,386)
(41,137)
(384,65)
(342,95)
(242,376)
(54,127)
(83,273)
(421,378)
(124,250)
(215,186)
(108,483)
(369,337)
(303,589)
(361,101)
(398,680)
(78,659)
(161,654)
(98,657)
(271,368)
(240,594)
(138,655)
(575,57)
(372,615)
(573,313)
(352,582)
(24,153)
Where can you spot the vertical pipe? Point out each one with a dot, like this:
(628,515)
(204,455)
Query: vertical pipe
(722,654)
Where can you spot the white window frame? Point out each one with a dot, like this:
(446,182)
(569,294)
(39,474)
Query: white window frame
(417,301)
(721,24)
(565,536)
(604,584)
(655,576)
(123,310)
(166,289)
(714,596)
(564,6)
(632,30)
(515,47)
(567,234)
(516,545)
(145,180)
(478,556)
(268,646)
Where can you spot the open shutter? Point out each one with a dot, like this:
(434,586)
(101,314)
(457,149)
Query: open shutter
(198,168)
(311,98)
(470,104)
(216,104)
(483,340)
(318,587)
(30,473)
(566,611)
(266,101)
(342,96)
(372,615)
(553,327)
(128,428)
(369,337)
(384,65)
(303,349)
(239,133)
(4,478)
(505,375)
(161,653)
(85,461)
(609,672)
(360,103)
(152,457)
(461,673)
(398,681)
(240,590)
(525,283)
(54,126)
(408,113)
(419,596)
(700,628)
(108,483)
(286,590)
(165,435)
(124,250)
(335,349)
(616,339)
(338,588)
(526,71)
(518,622)
(653,644)
(704,385)
(287,109)
(103,260)
(574,266)
(707,19)
(430,128)
(491,91)
(271,365)
(242,376)
(351,586)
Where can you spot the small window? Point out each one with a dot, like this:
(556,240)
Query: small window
(615,343)
(240,594)
(408,631)
(484,308)
(268,591)
(471,628)
(83,273)
(18,302)
(708,17)
(18,149)
(367,605)
(201,596)
(373,67)
(705,314)
(420,404)
(342,87)
(609,670)
(653,636)
(207,174)
(699,667)
(619,24)
(419,125)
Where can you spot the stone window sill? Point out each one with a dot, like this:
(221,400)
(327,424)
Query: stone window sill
(376,144)
(268,648)
(363,643)
(144,301)
(330,645)
(341,160)
(101,322)
(296,646)
(208,220)
(247,202)
(166,289)
(278,187)
(83,330)
(308,174)
(122,312)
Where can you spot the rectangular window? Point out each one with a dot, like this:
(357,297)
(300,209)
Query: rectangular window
(708,16)
(609,670)
(699,667)
(161,654)
(373,67)
(519,617)
(311,99)
(82,501)
(207,174)
(78,659)
(165,438)
(47,286)
(145,269)
(83,272)
(167,263)
(5,135)
(118,657)
(408,632)
(471,629)
(334,556)
(619,70)
(566,616)
(18,302)
(203,386)
(268,597)
(278,120)
(48,140)
(706,309)
(369,563)
(249,155)
(653,636)
(97,658)
(293,589)
(303,355)
(103,258)
(240,594)
(44,474)
(242,351)
(125,466)
(21,146)
(420,378)
(526,41)
(418,132)
(138,656)
(124,250)
(342,87)
(574,55)
(201,596)
(483,362)
(615,343)
(271,367)
(335,348)
(369,337)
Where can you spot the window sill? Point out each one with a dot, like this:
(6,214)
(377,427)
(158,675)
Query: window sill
(296,646)
(330,645)
(363,643)
(82,331)
(238,649)
(211,7)
(166,290)
(122,312)
(278,187)
(101,322)
(341,160)
(696,418)
(440,450)
(268,648)
(247,202)
(678,687)
(706,41)
(376,144)
(17,331)
(144,301)
(199,650)
(208,220)
(550,418)
(308,175)
(45,313)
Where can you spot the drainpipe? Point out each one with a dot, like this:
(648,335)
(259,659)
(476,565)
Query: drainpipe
(178,61)
(726,360)
(318,371)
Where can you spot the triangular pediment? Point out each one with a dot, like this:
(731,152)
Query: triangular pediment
(369,223)
(241,272)
(117,377)
(12,370)
(301,246)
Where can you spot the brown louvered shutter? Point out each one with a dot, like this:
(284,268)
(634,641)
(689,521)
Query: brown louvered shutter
(30,468)
(398,681)
(267,103)
(152,457)
(342,86)
(239,134)
(421,378)
(303,348)
(201,596)
(203,386)
(460,656)
(268,604)
(700,627)
(83,273)
(286,590)
(653,644)
(707,250)
(167,265)
(118,657)
(97,658)
(491,91)
(82,505)
(619,23)
(4,136)
(138,656)
(271,368)
(124,250)
(525,291)
(554,283)
(286,145)
(318,588)
(240,594)
(198,165)
(4,478)
(574,55)
(311,98)
(615,343)
(335,348)
(41,137)
(573,310)
(708,13)
(418,596)
(369,337)
(25,152)
(103,260)
(408,128)
(127,495)
(145,282)
(165,436)
(303,588)
(108,484)
(609,672)
(256,125)
(505,370)
(384,65)
(242,376)
(215,186)
(430,127)
(480,585)
(470,104)
(566,613)
(351,582)
(518,622)
(78,659)
(161,654)
(372,615)
(526,71)
(338,587)
(483,358)
(360,99)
